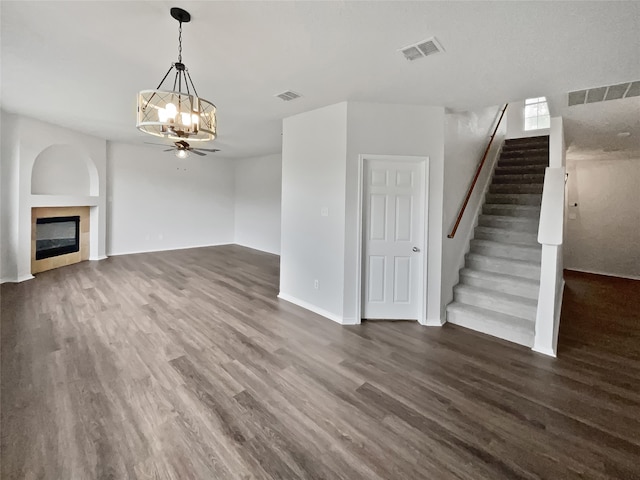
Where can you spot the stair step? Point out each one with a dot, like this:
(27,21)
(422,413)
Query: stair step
(510,284)
(495,301)
(541,139)
(507,327)
(516,188)
(528,178)
(511,210)
(515,198)
(524,147)
(503,235)
(529,253)
(531,153)
(505,266)
(520,169)
(519,162)
(508,222)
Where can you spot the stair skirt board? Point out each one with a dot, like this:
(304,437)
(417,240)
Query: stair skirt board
(498,289)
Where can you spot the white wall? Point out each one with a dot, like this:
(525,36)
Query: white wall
(159,202)
(23,140)
(383,129)
(515,122)
(466,137)
(320,161)
(47,177)
(314,150)
(604,236)
(258,186)
(9,197)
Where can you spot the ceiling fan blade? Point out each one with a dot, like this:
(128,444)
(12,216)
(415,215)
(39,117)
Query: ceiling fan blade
(169,150)
(197,152)
(209,149)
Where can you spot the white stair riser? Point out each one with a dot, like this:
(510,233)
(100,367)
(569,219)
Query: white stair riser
(515,199)
(507,251)
(495,303)
(506,236)
(511,335)
(491,264)
(516,224)
(504,286)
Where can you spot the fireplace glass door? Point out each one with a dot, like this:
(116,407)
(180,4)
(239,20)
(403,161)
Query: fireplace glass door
(57,236)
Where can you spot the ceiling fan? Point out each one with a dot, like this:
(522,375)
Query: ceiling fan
(182,149)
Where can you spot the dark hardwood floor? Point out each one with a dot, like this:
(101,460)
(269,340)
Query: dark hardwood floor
(185,365)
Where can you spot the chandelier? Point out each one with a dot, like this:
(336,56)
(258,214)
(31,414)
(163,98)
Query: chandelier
(177,114)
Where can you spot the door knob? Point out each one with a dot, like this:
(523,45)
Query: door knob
(416,249)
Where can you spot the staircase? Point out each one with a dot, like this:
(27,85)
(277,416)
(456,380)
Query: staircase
(498,289)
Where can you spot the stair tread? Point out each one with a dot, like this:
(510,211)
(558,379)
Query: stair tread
(472,272)
(526,263)
(513,322)
(513,206)
(489,243)
(509,218)
(506,232)
(485,292)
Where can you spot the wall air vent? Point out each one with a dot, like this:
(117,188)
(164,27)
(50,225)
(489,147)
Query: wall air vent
(288,96)
(422,49)
(600,94)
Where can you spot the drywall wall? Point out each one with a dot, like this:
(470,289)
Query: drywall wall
(466,137)
(26,139)
(321,157)
(60,170)
(314,149)
(258,186)
(9,197)
(406,130)
(159,202)
(515,122)
(603,231)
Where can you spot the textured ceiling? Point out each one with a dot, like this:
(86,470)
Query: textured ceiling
(80,64)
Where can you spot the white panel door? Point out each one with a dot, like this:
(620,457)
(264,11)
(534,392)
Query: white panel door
(393,238)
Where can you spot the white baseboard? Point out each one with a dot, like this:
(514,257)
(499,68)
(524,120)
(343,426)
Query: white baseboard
(435,322)
(313,308)
(20,279)
(606,274)
(545,351)
(134,252)
(95,259)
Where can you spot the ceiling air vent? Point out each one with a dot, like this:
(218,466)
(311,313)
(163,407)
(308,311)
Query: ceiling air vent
(422,49)
(288,96)
(600,94)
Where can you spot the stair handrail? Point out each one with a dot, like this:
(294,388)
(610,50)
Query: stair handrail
(475,178)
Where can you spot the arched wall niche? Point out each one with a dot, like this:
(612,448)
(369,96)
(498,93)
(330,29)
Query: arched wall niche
(64,170)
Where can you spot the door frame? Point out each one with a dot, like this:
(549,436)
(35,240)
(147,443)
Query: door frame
(422,299)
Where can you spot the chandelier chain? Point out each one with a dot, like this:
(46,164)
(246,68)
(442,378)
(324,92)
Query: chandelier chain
(180,43)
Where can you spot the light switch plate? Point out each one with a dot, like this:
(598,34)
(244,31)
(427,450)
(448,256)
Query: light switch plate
(324,211)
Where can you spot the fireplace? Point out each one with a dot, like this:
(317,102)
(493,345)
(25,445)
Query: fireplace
(57,236)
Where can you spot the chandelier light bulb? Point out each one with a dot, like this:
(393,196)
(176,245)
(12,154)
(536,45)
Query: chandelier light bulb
(171,110)
(186,118)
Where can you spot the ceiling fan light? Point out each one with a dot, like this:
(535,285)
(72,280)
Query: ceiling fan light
(181,153)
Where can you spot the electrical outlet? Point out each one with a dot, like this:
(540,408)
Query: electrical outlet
(316,284)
